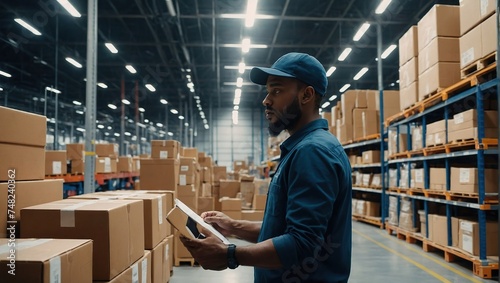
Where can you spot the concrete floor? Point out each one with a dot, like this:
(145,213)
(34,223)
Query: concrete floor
(377,258)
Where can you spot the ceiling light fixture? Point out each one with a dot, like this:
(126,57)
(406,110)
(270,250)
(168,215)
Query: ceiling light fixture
(79,112)
(112,106)
(77,102)
(131,69)
(116,134)
(326,104)
(237,93)
(332,98)
(245,45)
(388,51)
(181,117)
(125,101)
(382,6)
(80,129)
(171,9)
(174,111)
(111,47)
(74,62)
(109,128)
(28,26)
(150,87)
(236,107)
(330,71)
(235,117)
(142,110)
(345,53)
(170,133)
(159,125)
(360,73)
(70,8)
(163,101)
(5,74)
(100,126)
(345,87)
(239,82)
(241,68)
(251,12)
(128,134)
(361,31)
(51,89)
(206,127)
(102,85)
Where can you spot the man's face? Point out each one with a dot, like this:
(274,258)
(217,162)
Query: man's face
(282,104)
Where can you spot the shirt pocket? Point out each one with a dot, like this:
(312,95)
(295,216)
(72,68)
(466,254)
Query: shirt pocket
(276,200)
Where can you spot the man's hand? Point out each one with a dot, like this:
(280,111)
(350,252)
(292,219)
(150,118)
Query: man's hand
(219,221)
(210,252)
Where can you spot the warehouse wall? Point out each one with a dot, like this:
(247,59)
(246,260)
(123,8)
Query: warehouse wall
(244,141)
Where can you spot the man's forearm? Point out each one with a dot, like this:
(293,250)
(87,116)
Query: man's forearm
(247,230)
(262,255)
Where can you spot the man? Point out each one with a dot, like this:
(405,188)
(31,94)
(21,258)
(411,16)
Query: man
(305,235)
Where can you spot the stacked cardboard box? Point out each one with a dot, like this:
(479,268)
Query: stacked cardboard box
(406,219)
(466,180)
(106,158)
(231,207)
(371,156)
(125,164)
(396,143)
(477,30)
(468,237)
(75,153)
(437,179)
(464,125)
(417,141)
(438,47)
(55,162)
(393,178)
(423,222)
(436,133)
(418,176)
(393,210)
(408,68)
(161,171)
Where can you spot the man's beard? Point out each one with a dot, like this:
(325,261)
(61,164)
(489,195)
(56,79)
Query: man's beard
(286,120)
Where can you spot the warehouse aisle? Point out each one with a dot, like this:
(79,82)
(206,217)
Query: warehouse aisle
(377,258)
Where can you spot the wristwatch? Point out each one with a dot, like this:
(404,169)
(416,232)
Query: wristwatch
(232,263)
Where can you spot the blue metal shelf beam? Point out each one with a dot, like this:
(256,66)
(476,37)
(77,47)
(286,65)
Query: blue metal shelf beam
(360,144)
(471,152)
(367,190)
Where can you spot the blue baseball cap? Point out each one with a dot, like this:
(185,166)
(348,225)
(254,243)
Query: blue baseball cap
(301,66)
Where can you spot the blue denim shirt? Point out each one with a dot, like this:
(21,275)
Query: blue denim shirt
(308,211)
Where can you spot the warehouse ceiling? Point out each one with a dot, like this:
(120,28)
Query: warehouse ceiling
(192,41)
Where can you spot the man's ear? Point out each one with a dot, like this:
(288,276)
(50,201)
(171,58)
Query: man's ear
(308,95)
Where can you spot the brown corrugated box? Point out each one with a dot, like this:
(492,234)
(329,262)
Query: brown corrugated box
(455,231)
(169,252)
(366,179)
(468,119)
(180,250)
(188,165)
(371,156)
(191,152)
(106,150)
(239,165)
(125,164)
(47,260)
(408,73)
(472,133)
(259,202)
(205,161)
(437,179)
(416,138)
(186,179)
(190,201)
(360,207)
(365,122)
(441,75)
(237,215)
(75,151)
(160,261)
(27,161)
(252,215)
(229,188)
(155,210)
(441,20)
(164,149)
(468,238)
(471,47)
(408,96)
(159,174)
(439,229)
(466,180)
(247,190)
(408,45)
(372,209)
(220,173)
(472,12)
(489,36)
(418,176)
(55,162)
(28,193)
(139,272)
(23,128)
(105,165)
(206,190)
(77,166)
(230,204)
(440,49)
(205,204)
(391,101)
(116,227)
(207,175)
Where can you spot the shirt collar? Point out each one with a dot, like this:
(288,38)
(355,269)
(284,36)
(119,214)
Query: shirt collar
(294,139)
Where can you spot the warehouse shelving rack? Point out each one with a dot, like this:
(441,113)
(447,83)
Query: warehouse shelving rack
(477,151)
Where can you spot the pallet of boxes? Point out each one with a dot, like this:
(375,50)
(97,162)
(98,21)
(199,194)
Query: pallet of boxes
(22,184)
(106,160)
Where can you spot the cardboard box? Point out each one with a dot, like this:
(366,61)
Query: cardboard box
(229,188)
(220,173)
(468,119)
(28,193)
(408,73)
(259,202)
(75,151)
(472,12)
(205,204)
(77,166)
(394,140)
(159,174)
(180,251)
(437,179)
(247,190)
(366,179)
(205,161)
(164,149)
(23,128)
(390,100)
(159,260)
(236,215)
(191,152)
(207,175)
(470,47)
(252,215)
(106,150)
(468,237)
(55,162)
(105,165)
(188,165)
(440,230)
(239,165)
(416,138)
(439,76)
(365,122)
(441,20)
(418,176)
(125,164)
(155,210)
(489,35)
(409,96)
(408,45)
(206,190)
(371,156)
(360,207)
(472,133)
(186,179)
(466,180)
(372,209)
(436,127)
(436,138)
(137,164)
(186,191)
(28,162)
(189,201)
(440,49)
(115,226)
(393,178)
(47,260)
(231,204)
(139,272)
(169,251)
(455,231)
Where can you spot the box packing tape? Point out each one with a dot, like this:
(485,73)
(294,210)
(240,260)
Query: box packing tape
(68,213)
(167,251)
(23,245)
(55,269)
(160,210)
(135,273)
(144,274)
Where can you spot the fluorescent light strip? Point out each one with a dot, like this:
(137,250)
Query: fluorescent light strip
(345,53)
(251,11)
(360,74)
(330,71)
(131,69)
(142,110)
(125,101)
(332,98)
(239,82)
(359,34)
(382,6)
(206,127)
(163,101)
(174,111)
(345,87)
(181,117)
(150,87)
(112,106)
(77,102)
(5,74)
(74,62)
(388,51)
(111,48)
(102,85)
(241,68)
(245,45)
(326,104)
(70,8)
(28,26)
(53,90)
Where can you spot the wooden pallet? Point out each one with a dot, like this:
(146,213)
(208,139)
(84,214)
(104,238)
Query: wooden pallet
(367,138)
(434,194)
(179,260)
(415,192)
(464,144)
(478,65)
(434,149)
(468,197)
(368,219)
(410,237)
